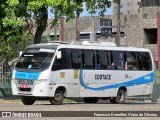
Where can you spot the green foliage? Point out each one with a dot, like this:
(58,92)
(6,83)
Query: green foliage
(12,2)
(15,16)
(117,1)
(65,8)
(14,34)
(36,4)
(73,8)
(101,5)
(10,47)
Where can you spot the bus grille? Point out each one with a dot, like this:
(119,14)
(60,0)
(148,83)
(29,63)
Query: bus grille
(28,82)
(25,85)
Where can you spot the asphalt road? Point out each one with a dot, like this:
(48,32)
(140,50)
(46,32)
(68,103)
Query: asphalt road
(102,109)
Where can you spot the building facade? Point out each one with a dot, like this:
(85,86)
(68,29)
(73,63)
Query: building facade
(127,7)
(150,3)
(137,30)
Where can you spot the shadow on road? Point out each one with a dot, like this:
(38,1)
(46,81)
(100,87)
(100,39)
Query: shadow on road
(104,102)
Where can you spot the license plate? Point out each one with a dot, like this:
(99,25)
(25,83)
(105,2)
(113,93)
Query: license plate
(23,86)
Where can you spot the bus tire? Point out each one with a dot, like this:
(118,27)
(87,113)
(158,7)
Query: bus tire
(58,98)
(121,96)
(90,100)
(27,100)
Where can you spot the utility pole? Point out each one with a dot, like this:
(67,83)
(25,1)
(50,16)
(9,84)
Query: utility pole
(158,37)
(118,24)
(55,32)
(93,24)
(77,27)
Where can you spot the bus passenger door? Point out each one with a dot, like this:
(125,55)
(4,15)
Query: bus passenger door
(73,89)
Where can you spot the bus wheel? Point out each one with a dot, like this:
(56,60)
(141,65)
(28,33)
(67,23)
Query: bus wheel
(120,99)
(121,96)
(90,100)
(58,98)
(27,100)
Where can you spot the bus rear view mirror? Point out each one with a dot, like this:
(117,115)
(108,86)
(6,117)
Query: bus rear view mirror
(20,53)
(59,55)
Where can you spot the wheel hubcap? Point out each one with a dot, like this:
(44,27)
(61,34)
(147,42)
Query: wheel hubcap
(58,97)
(121,97)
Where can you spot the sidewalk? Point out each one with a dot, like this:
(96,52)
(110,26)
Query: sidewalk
(10,100)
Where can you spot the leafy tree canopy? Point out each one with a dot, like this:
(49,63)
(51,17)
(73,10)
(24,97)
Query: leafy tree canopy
(15,18)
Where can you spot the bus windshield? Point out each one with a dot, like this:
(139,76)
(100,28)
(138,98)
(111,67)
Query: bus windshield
(35,59)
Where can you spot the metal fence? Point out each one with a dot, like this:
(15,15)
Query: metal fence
(5,79)
(156,87)
(5,84)
(5,73)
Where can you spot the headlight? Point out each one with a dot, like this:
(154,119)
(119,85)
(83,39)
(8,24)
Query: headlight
(40,81)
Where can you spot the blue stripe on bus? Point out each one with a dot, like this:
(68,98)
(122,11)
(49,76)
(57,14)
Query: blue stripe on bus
(27,75)
(138,81)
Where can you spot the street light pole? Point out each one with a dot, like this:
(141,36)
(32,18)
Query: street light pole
(158,37)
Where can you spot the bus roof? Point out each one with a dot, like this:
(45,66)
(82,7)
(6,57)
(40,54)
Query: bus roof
(91,45)
(44,45)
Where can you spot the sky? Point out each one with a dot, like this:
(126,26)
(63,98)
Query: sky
(85,12)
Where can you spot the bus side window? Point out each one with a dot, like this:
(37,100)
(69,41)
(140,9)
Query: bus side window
(123,61)
(144,61)
(63,62)
(116,60)
(102,60)
(98,61)
(75,58)
(88,59)
(131,62)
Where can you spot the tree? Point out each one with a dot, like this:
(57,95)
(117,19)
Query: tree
(94,5)
(13,32)
(38,10)
(79,10)
(62,8)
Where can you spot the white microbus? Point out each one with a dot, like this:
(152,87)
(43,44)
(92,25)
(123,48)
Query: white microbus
(55,71)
